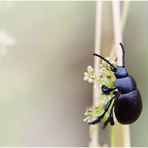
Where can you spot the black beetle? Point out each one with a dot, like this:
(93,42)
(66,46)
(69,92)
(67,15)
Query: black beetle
(127,103)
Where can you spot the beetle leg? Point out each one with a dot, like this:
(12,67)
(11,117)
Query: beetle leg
(105,123)
(105,110)
(97,119)
(106,90)
(111,117)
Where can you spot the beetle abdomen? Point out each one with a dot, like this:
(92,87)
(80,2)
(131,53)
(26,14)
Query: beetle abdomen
(126,84)
(128,107)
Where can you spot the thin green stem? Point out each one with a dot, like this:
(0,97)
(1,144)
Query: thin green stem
(112,136)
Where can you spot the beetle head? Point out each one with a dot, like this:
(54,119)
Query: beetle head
(120,72)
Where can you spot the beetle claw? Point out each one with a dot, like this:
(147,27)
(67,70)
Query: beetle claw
(105,124)
(98,119)
(94,121)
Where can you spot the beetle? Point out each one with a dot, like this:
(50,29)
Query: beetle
(126,102)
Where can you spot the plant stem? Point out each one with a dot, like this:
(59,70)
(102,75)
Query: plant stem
(123,130)
(94,131)
(112,136)
(124,15)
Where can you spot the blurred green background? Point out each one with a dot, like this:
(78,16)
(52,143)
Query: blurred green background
(45,48)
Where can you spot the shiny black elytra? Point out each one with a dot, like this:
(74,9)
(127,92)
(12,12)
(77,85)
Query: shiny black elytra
(127,103)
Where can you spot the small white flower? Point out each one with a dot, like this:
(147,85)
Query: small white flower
(95,85)
(100,70)
(89,69)
(90,80)
(85,78)
(85,73)
(89,75)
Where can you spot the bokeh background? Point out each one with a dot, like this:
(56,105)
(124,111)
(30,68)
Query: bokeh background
(45,48)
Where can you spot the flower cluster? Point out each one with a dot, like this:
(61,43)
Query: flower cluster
(94,111)
(91,76)
(103,77)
